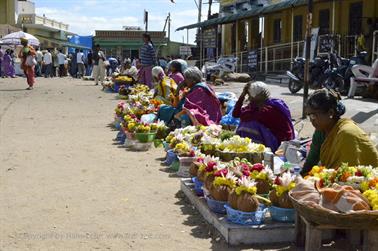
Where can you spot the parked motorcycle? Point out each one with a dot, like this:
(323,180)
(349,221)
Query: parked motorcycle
(317,73)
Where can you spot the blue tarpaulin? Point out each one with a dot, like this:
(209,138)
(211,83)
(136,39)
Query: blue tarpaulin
(82,42)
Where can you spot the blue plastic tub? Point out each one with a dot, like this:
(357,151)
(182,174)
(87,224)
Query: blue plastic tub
(244,218)
(216,206)
(171,157)
(282,214)
(197,186)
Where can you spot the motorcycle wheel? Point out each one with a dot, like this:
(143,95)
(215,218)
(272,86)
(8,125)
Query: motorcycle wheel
(294,86)
(336,84)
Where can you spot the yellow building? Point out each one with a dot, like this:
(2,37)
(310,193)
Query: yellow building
(272,28)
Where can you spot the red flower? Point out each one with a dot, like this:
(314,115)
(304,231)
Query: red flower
(257,167)
(246,173)
(200,160)
(221,172)
(358,173)
(210,166)
(191,153)
(277,181)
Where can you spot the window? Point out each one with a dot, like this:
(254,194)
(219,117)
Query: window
(355,18)
(277,26)
(324,21)
(298,28)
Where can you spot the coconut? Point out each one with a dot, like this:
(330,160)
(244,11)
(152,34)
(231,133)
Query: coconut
(284,201)
(233,199)
(220,193)
(208,182)
(273,197)
(201,175)
(263,186)
(247,202)
(193,170)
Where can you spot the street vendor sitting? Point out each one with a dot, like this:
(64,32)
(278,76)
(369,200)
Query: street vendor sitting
(336,140)
(129,71)
(194,102)
(264,120)
(175,72)
(164,86)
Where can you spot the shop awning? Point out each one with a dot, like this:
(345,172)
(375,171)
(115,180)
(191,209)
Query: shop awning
(256,11)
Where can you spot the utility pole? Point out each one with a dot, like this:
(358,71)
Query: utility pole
(199,32)
(308,53)
(169,26)
(209,12)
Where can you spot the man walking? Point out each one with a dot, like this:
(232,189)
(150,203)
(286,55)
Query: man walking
(47,61)
(61,61)
(80,64)
(39,58)
(99,66)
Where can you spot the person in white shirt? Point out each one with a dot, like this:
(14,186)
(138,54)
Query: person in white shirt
(39,58)
(61,60)
(80,64)
(47,62)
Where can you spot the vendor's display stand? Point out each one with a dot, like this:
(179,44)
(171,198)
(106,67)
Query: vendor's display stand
(269,232)
(312,222)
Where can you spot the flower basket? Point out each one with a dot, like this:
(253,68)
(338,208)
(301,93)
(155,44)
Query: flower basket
(245,218)
(185,163)
(216,206)
(319,215)
(145,137)
(282,214)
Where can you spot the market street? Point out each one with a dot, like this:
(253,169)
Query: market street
(64,184)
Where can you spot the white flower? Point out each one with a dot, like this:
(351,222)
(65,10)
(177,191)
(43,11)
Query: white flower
(246,182)
(287,178)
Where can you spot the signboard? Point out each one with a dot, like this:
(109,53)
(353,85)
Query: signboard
(327,44)
(209,38)
(227,2)
(314,41)
(185,51)
(252,60)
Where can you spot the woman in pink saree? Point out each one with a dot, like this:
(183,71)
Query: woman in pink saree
(200,105)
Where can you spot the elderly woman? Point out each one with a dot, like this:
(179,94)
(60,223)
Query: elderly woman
(336,140)
(129,70)
(194,102)
(264,120)
(165,87)
(27,55)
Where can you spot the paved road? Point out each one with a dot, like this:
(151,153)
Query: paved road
(64,185)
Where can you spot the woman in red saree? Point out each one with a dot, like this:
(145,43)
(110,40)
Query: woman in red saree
(27,55)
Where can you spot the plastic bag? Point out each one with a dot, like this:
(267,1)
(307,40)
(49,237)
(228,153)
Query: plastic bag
(148,118)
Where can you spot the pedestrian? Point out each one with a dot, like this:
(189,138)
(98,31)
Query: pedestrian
(61,61)
(28,62)
(1,60)
(89,63)
(39,58)
(74,64)
(47,62)
(8,64)
(148,60)
(55,63)
(80,64)
(99,67)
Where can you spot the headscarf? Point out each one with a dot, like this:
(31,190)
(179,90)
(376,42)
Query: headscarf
(258,88)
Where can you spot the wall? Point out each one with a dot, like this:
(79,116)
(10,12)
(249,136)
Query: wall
(26,7)
(8,12)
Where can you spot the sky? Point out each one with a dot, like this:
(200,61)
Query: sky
(86,16)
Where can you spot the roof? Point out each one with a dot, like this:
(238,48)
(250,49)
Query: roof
(256,11)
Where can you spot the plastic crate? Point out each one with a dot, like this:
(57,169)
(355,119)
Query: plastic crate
(245,218)
(216,206)
(185,163)
(140,147)
(197,186)
(282,214)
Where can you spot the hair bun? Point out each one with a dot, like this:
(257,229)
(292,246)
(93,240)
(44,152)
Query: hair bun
(340,108)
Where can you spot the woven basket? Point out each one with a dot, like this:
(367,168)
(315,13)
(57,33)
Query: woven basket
(322,216)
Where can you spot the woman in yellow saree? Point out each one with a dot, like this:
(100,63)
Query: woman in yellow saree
(165,87)
(338,140)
